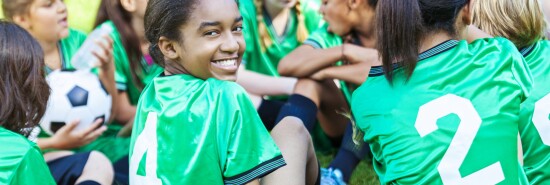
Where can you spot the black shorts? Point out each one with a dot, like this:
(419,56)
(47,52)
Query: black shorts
(66,170)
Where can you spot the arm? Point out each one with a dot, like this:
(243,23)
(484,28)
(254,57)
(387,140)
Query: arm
(125,110)
(107,71)
(254,182)
(260,84)
(354,73)
(294,64)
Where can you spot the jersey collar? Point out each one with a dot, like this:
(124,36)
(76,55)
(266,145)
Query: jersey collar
(527,50)
(440,48)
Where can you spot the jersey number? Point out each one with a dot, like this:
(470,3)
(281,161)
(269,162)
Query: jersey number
(145,142)
(541,118)
(470,121)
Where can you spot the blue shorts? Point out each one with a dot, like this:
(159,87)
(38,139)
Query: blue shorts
(66,170)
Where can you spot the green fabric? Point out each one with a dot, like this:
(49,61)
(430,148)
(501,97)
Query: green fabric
(21,161)
(82,14)
(489,78)
(322,39)
(265,61)
(203,130)
(536,152)
(70,45)
(123,75)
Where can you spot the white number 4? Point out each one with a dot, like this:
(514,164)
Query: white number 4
(541,120)
(470,121)
(146,142)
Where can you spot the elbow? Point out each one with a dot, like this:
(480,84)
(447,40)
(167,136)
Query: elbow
(284,69)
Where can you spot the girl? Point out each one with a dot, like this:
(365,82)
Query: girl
(527,34)
(436,117)
(323,49)
(24,95)
(200,44)
(134,67)
(273,29)
(46,21)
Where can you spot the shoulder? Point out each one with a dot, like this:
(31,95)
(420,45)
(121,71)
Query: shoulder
(226,89)
(247,8)
(19,146)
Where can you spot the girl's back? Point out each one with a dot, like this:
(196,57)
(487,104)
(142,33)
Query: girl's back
(455,119)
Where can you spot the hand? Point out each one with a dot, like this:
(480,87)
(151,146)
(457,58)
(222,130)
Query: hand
(105,53)
(358,54)
(319,75)
(67,138)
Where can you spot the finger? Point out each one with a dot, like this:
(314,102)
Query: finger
(69,127)
(102,56)
(92,127)
(95,134)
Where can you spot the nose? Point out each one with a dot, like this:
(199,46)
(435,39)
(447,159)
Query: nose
(61,8)
(321,9)
(231,43)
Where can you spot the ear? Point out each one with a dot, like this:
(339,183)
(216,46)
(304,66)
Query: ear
(354,4)
(468,13)
(23,21)
(169,48)
(128,5)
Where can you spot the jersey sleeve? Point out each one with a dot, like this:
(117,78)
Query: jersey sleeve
(32,169)
(323,39)
(251,152)
(521,72)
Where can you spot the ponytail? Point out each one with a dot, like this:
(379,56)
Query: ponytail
(302,32)
(400,29)
(265,40)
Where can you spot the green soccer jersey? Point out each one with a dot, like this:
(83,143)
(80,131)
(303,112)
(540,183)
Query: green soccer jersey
(534,127)
(21,161)
(123,74)
(455,121)
(193,131)
(265,61)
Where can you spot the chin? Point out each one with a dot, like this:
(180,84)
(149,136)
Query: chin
(231,78)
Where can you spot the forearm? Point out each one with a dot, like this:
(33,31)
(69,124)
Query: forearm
(355,74)
(260,84)
(126,111)
(306,60)
(108,80)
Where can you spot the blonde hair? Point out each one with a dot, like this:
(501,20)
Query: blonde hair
(265,39)
(521,21)
(12,8)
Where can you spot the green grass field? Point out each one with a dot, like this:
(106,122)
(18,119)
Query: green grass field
(363,174)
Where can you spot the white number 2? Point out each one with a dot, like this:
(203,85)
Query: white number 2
(541,120)
(470,121)
(146,142)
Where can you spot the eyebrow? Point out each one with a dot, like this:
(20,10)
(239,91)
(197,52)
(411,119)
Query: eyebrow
(216,23)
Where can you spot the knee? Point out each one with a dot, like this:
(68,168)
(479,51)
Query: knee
(293,126)
(310,89)
(98,163)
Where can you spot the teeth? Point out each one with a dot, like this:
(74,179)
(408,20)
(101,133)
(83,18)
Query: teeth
(224,63)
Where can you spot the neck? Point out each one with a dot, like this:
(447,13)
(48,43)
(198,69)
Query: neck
(433,40)
(174,68)
(273,11)
(137,25)
(48,47)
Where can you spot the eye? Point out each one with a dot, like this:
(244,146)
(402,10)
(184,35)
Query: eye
(238,28)
(211,33)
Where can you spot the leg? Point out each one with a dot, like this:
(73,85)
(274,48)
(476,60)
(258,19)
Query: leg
(348,157)
(98,168)
(295,144)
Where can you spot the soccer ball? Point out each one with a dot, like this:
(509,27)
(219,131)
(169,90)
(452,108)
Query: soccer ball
(75,95)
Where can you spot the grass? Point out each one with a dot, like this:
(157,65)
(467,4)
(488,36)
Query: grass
(363,175)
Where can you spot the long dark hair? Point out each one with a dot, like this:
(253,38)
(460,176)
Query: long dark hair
(113,10)
(24,91)
(402,24)
(164,18)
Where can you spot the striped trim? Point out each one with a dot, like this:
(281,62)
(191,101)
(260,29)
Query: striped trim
(313,44)
(121,86)
(257,172)
(527,50)
(440,48)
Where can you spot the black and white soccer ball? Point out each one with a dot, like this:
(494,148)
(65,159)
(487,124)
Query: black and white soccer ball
(75,95)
